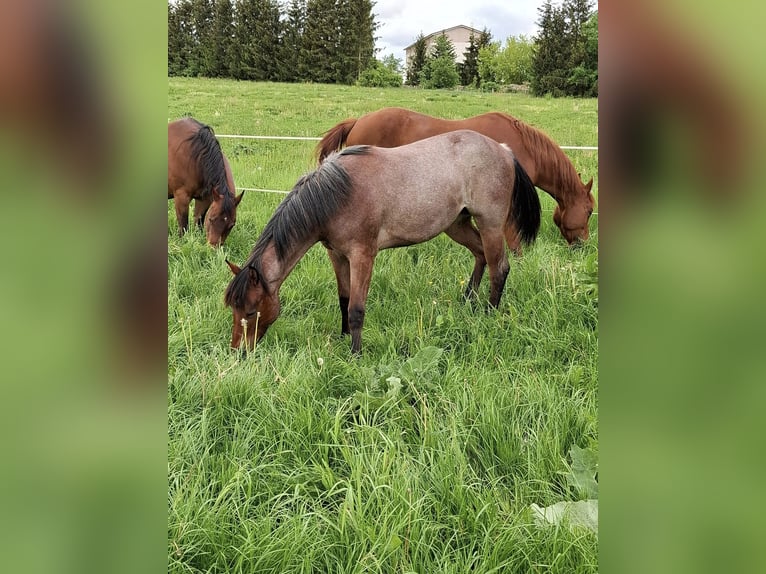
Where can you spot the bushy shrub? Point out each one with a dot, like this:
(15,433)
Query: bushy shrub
(385,74)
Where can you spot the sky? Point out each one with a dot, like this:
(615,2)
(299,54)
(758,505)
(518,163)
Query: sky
(402,20)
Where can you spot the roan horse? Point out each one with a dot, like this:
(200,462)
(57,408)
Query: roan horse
(365,199)
(547,165)
(197,169)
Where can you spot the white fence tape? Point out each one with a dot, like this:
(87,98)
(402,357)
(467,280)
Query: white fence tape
(233,136)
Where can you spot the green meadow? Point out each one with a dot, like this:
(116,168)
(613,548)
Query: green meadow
(427,453)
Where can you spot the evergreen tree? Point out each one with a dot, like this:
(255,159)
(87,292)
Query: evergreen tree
(257,40)
(469,69)
(201,18)
(180,38)
(220,41)
(484,38)
(355,39)
(319,42)
(583,79)
(439,70)
(563,61)
(418,60)
(551,58)
(290,50)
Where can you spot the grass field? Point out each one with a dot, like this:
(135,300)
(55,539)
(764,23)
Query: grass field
(425,454)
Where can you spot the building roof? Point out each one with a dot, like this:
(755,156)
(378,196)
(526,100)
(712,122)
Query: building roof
(444,31)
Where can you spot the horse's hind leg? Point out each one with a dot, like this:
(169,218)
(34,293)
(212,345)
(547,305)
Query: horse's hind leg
(342,270)
(463,232)
(497,261)
(513,239)
(361,273)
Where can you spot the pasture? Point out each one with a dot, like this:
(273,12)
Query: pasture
(426,453)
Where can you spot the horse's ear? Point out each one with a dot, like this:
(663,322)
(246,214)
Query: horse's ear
(239,198)
(233,267)
(589,185)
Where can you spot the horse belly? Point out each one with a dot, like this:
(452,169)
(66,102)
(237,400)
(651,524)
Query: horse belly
(418,222)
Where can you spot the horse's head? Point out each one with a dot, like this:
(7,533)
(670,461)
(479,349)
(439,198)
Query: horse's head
(572,218)
(221,217)
(253,306)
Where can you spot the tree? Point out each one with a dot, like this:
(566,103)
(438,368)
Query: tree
(290,49)
(201,16)
(514,64)
(550,61)
(563,62)
(469,69)
(583,81)
(257,32)
(418,60)
(385,74)
(220,42)
(356,42)
(180,38)
(488,61)
(439,70)
(319,42)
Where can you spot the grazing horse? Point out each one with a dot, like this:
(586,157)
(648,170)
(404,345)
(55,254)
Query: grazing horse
(197,169)
(547,165)
(365,199)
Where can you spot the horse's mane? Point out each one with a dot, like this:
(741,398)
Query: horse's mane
(206,148)
(315,198)
(548,153)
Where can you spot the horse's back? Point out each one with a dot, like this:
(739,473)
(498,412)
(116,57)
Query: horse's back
(415,191)
(393,127)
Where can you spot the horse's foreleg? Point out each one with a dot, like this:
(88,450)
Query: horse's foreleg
(341,267)
(361,273)
(463,232)
(200,210)
(181,203)
(497,260)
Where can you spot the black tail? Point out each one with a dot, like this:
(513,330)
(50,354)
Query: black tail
(525,205)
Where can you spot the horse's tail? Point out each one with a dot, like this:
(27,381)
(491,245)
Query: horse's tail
(525,205)
(207,151)
(333,139)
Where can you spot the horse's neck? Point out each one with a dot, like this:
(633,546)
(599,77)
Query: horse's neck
(551,170)
(276,270)
(556,176)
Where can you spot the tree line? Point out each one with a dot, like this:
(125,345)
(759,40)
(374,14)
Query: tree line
(333,41)
(323,41)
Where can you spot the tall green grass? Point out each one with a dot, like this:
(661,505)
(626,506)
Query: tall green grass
(425,454)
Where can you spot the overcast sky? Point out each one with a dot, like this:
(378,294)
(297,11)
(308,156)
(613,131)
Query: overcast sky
(402,20)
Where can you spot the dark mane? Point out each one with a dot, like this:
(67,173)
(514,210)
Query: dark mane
(548,153)
(315,198)
(206,148)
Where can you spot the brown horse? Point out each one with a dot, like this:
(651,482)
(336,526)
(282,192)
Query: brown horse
(197,169)
(547,165)
(365,199)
